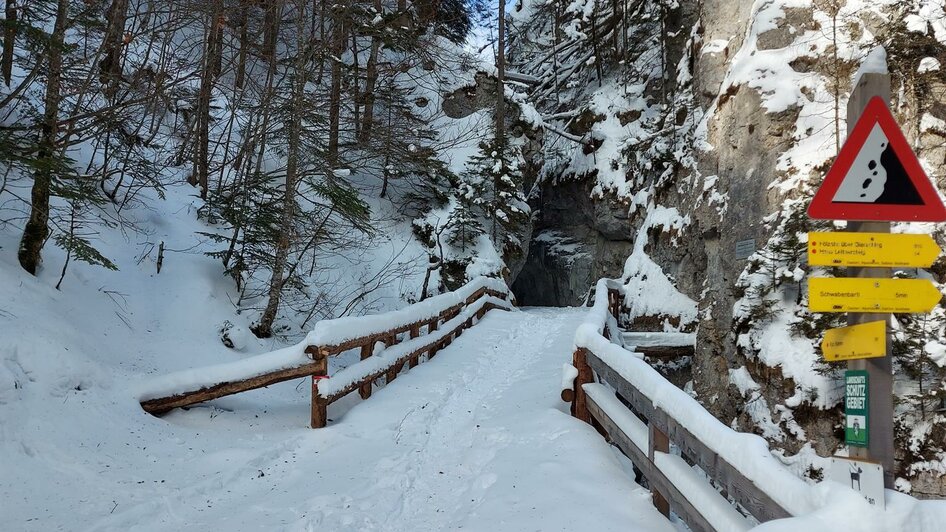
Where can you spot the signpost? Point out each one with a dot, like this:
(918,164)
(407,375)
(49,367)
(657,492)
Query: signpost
(867,340)
(845,294)
(878,250)
(875,179)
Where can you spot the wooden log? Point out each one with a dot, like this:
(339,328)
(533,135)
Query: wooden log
(162,405)
(585,375)
(568,395)
(319,410)
(666,351)
(365,390)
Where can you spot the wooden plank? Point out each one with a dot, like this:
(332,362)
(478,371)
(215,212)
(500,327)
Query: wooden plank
(750,496)
(164,404)
(678,503)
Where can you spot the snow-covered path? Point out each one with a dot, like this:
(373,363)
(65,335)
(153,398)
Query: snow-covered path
(475,439)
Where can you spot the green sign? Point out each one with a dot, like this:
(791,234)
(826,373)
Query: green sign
(855,408)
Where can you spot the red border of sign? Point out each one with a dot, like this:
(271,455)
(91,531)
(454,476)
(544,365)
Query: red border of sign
(823,208)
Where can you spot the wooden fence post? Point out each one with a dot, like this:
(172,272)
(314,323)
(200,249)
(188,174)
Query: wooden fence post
(585,376)
(415,332)
(659,442)
(366,351)
(319,408)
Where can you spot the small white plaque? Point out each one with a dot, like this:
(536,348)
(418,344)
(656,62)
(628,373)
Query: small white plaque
(866,478)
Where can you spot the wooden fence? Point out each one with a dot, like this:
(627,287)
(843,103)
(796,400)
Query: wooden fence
(393,337)
(416,338)
(645,433)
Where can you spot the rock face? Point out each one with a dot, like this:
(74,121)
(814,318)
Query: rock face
(577,240)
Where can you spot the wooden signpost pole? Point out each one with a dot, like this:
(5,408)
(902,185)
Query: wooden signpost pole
(879,370)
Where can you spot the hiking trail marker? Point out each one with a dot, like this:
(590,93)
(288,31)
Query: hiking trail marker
(872,250)
(876,295)
(866,340)
(876,176)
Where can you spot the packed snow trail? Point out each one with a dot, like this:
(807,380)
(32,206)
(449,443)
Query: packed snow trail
(476,438)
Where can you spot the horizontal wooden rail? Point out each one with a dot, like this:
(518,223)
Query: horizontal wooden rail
(165,404)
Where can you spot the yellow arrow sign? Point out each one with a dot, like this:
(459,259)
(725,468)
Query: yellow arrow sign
(879,250)
(867,340)
(872,295)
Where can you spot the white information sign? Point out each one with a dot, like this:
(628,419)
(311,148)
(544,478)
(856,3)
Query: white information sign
(866,478)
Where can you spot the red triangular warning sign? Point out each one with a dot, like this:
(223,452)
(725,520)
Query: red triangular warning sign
(877,176)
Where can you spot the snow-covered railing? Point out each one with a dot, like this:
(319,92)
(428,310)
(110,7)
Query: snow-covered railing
(387,342)
(715,478)
(739,464)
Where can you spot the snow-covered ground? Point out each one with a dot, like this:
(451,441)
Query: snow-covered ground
(475,439)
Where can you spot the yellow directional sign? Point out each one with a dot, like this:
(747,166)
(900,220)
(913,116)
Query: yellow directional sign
(867,340)
(872,295)
(879,250)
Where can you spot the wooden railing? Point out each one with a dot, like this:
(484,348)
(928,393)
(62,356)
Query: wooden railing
(639,424)
(415,339)
(407,335)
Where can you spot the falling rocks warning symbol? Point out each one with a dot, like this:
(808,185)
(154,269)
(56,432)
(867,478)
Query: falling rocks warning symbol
(877,176)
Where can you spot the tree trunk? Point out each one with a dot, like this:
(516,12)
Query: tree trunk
(335,98)
(370,82)
(9,38)
(265,327)
(112,44)
(37,227)
(270,25)
(202,162)
(240,76)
